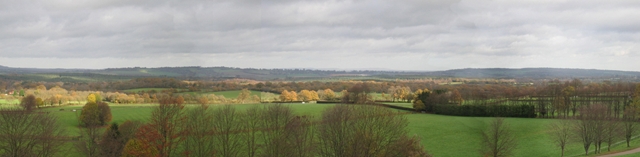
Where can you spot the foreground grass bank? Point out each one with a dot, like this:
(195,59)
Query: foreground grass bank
(442,136)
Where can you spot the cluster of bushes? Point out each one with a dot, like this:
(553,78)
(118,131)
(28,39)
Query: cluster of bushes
(524,111)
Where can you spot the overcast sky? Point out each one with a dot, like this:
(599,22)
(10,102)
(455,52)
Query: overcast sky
(358,34)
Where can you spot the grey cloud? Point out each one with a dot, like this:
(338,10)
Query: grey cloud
(440,31)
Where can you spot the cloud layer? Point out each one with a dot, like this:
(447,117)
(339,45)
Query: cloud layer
(358,34)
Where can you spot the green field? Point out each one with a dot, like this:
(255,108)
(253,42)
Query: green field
(227,94)
(401,104)
(5,101)
(442,136)
(233,94)
(136,90)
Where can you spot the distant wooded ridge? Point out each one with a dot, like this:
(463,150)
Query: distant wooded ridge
(196,72)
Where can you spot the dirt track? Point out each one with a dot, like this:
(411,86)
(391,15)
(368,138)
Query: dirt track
(637,150)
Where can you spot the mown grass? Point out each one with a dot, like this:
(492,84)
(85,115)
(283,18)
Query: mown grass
(142,112)
(442,136)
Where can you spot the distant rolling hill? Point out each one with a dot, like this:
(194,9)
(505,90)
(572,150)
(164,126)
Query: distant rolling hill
(213,73)
(535,73)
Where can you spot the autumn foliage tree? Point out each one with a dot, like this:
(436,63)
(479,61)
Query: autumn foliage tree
(328,94)
(29,103)
(105,113)
(456,97)
(304,95)
(288,96)
(90,115)
(165,121)
(358,93)
(95,114)
(112,142)
(145,145)
(418,105)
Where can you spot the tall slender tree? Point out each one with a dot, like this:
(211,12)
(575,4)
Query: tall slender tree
(498,140)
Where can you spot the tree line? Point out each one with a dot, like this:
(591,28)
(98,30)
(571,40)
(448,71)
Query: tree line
(173,130)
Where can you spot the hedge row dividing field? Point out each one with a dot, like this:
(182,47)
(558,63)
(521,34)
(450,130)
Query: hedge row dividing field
(442,136)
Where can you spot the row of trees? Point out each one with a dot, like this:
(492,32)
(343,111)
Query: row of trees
(595,126)
(272,131)
(306,95)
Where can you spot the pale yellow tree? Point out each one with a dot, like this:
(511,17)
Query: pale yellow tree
(268,97)
(41,88)
(305,95)
(91,98)
(293,96)
(284,96)
(314,96)
(244,95)
(329,94)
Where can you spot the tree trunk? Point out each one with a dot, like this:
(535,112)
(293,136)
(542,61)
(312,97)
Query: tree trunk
(586,149)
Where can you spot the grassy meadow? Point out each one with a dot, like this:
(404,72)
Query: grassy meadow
(442,136)
(233,94)
(136,90)
(226,94)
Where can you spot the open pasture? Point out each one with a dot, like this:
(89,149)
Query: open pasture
(136,90)
(13,101)
(233,94)
(442,136)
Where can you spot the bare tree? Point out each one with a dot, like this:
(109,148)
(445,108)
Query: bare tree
(359,130)
(226,121)
(274,118)
(561,133)
(88,143)
(128,129)
(200,141)
(33,134)
(252,123)
(583,131)
(166,120)
(590,126)
(498,140)
(629,124)
(599,117)
(612,131)
(300,137)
